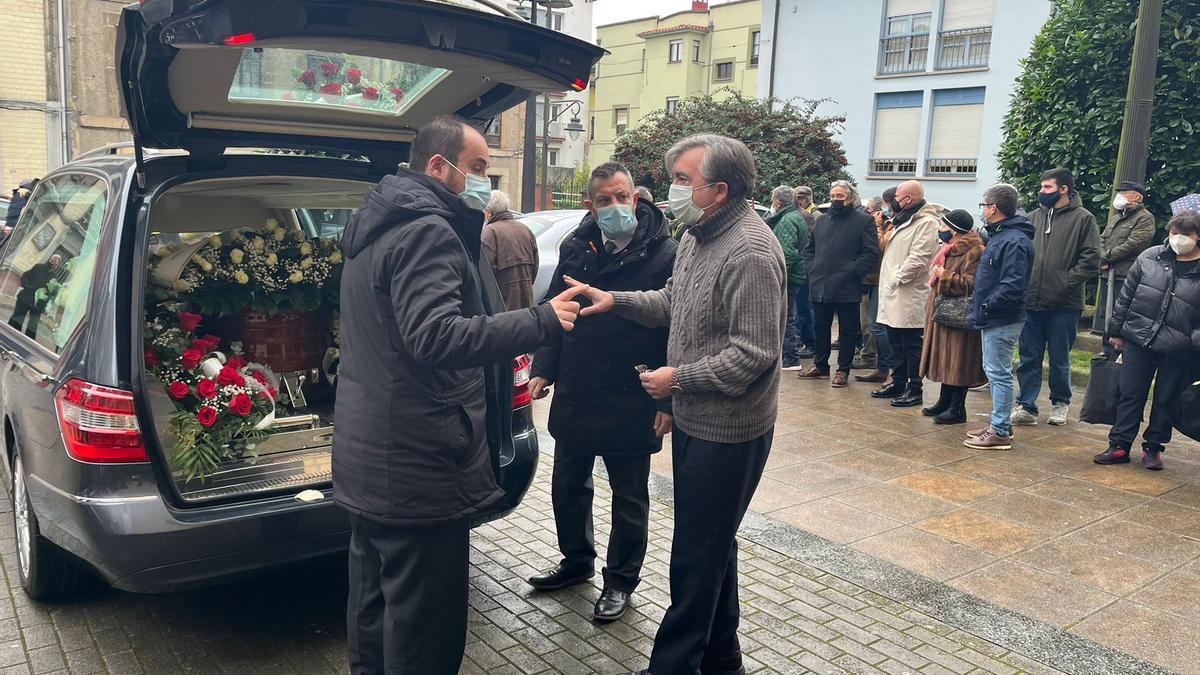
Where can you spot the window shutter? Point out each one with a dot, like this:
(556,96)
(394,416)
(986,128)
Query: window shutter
(960,14)
(906,7)
(956,130)
(897,131)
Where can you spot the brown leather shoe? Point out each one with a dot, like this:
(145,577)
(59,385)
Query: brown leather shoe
(840,379)
(813,373)
(989,440)
(877,376)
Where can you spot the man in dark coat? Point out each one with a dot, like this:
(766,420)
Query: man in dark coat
(411,461)
(600,408)
(1066,242)
(842,250)
(16,204)
(1130,231)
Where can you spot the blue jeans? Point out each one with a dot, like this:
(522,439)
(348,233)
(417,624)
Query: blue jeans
(803,316)
(1053,331)
(791,352)
(998,346)
(883,343)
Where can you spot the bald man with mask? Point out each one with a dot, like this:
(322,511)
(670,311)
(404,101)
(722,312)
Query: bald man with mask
(904,290)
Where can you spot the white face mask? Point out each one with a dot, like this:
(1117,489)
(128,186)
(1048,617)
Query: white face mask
(679,198)
(1181,244)
(1120,203)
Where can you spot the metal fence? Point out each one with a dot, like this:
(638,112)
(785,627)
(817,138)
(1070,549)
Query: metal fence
(893,167)
(966,48)
(906,54)
(565,195)
(951,167)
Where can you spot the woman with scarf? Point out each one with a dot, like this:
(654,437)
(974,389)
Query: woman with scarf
(953,356)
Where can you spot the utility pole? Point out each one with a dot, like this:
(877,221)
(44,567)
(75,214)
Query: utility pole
(1139,98)
(546,128)
(529,159)
(1139,109)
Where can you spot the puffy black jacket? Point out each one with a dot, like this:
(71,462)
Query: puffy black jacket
(1157,309)
(410,443)
(599,403)
(842,249)
(1002,279)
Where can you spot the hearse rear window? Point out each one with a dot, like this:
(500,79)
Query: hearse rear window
(312,78)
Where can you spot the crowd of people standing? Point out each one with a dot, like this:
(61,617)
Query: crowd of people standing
(948,300)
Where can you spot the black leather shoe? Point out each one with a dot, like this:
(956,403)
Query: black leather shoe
(560,577)
(889,390)
(731,665)
(636,672)
(908,399)
(611,605)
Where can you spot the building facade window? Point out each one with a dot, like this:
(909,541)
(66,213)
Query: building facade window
(965,40)
(954,132)
(723,71)
(621,119)
(695,51)
(904,47)
(675,51)
(897,133)
(755,38)
(493,132)
(556,19)
(495,181)
(672,105)
(552,157)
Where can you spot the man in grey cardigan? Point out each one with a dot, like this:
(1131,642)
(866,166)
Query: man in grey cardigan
(725,304)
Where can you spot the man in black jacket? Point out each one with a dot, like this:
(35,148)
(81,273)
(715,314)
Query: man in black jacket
(842,250)
(411,463)
(600,407)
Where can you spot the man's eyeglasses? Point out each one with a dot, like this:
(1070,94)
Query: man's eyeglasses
(983,204)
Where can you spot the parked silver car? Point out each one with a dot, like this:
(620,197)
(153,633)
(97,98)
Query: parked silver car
(551,229)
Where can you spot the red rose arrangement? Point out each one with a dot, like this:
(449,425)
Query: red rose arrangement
(217,406)
(330,69)
(353,75)
(370,94)
(308,78)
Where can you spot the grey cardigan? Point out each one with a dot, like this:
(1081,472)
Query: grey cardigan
(725,305)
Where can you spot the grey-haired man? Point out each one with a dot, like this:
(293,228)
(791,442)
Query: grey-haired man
(725,303)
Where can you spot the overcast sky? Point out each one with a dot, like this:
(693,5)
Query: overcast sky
(611,11)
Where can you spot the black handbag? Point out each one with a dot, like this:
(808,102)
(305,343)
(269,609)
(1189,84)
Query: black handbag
(1185,412)
(952,311)
(1104,383)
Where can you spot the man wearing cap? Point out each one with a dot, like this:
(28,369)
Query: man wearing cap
(17,203)
(1130,231)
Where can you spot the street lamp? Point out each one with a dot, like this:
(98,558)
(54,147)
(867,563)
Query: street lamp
(527,167)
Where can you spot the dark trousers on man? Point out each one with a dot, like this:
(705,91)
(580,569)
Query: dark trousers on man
(1045,333)
(27,307)
(407,607)
(1141,367)
(849,333)
(906,357)
(714,483)
(571,492)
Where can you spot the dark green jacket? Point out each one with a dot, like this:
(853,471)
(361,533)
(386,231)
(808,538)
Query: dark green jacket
(792,232)
(1066,254)
(1129,232)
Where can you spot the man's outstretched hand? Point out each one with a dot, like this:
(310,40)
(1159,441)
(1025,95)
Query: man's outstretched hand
(602,301)
(566,307)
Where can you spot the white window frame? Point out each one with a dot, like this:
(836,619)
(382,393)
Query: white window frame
(672,106)
(675,51)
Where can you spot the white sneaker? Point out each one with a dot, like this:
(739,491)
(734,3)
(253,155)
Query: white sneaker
(1058,415)
(798,366)
(1023,418)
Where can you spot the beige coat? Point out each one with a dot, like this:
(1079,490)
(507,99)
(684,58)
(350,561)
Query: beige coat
(904,274)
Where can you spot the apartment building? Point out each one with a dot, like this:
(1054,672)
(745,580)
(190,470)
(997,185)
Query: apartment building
(654,63)
(924,84)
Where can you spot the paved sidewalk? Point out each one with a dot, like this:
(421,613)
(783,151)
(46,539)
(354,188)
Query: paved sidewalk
(1108,553)
(799,616)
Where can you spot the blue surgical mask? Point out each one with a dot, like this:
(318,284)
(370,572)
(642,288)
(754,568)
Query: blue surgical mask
(1048,199)
(616,221)
(478,190)
(945,236)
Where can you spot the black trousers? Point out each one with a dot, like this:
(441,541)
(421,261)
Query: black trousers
(407,607)
(1139,368)
(906,356)
(713,486)
(27,307)
(571,493)
(849,333)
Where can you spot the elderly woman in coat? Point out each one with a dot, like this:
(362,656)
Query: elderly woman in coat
(953,356)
